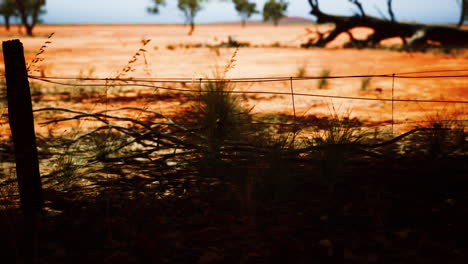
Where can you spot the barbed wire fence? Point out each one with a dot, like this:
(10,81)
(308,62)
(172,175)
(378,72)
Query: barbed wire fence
(166,84)
(159,140)
(287,83)
(155,83)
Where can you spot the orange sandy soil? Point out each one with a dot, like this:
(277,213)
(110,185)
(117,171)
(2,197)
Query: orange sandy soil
(104,50)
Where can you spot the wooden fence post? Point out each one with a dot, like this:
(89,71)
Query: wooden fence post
(22,127)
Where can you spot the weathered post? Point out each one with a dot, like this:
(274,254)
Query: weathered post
(22,127)
(24,139)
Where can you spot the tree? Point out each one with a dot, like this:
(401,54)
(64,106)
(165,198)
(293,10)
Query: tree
(155,8)
(190,8)
(274,11)
(8,10)
(414,35)
(29,12)
(245,9)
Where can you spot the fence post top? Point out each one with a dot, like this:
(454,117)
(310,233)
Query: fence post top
(11,41)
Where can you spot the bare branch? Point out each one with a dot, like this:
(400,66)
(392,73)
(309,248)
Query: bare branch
(380,12)
(359,6)
(315,7)
(463,12)
(390,10)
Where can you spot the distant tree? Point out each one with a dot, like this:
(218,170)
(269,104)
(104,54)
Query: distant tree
(274,10)
(29,12)
(8,10)
(156,4)
(190,8)
(245,9)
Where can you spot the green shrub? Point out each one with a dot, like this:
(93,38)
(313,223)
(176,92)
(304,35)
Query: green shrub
(301,72)
(365,82)
(323,81)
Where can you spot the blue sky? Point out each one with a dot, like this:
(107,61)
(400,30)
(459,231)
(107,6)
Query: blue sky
(134,11)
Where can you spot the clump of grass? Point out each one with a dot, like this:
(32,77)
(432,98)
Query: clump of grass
(323,81)
(332,141)
(301,71)
(105,143)
(447,137)
(220,113)
(365,83)
(66,170)
(339,129)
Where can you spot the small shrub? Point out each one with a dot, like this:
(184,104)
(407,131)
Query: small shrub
(301,71)
(323,81)
(275,45)
(365,83)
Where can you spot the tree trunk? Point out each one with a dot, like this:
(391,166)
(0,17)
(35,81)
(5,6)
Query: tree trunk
(7,22)
(243,22)
(27,11)
(192,28)
(29,30)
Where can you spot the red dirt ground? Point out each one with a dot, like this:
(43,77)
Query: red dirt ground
(104,50)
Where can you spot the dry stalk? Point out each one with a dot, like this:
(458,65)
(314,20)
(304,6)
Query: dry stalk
(232,62)
(37,57)
(129,66)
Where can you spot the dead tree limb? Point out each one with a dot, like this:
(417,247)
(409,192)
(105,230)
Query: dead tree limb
(415,36)
(390,10)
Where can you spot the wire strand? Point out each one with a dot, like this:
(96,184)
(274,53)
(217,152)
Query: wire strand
(256,92)
(403,75)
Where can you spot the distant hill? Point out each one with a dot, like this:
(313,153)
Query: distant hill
(294,20)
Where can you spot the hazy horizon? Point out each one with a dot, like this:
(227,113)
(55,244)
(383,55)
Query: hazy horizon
(134,12)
